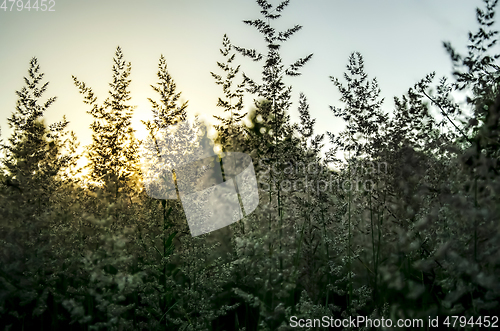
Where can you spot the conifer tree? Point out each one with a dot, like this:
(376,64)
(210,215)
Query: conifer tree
(113,154)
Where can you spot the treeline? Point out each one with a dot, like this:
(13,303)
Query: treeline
(406,226)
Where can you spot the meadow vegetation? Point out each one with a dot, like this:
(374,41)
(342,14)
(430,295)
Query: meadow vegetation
(409,230)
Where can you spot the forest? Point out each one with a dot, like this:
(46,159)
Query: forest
(405,226)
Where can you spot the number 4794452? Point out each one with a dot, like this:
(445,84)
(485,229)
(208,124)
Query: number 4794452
(28,5)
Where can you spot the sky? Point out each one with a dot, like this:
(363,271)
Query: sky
(400,41)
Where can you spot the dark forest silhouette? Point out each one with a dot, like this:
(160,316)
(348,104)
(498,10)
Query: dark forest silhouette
(405,227)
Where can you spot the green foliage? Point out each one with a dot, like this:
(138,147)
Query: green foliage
(362,113)
(273,87)
(167,112)
(406,226)
(230,127)
(113,154)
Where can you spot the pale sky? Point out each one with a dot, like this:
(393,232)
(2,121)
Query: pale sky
(400,40)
